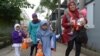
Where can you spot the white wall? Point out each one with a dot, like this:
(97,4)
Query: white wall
(90,15)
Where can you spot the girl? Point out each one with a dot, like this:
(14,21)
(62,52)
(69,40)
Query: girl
(17,37)
(44,35)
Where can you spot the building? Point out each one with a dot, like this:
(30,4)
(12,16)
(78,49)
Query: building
(93,15)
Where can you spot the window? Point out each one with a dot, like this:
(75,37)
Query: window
(90,15)
(78,1)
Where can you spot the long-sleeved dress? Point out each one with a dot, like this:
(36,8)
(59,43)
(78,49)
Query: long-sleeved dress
(33,30)
(45,38)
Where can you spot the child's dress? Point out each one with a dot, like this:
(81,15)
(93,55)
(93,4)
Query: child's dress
(53,42)
(45,38)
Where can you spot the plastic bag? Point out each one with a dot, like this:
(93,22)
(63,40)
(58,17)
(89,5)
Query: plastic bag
(24,44)
(39,51)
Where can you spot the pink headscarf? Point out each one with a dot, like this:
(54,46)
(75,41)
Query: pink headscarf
(76,13)
(84,12)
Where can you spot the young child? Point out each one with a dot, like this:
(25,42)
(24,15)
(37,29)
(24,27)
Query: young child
(17,36)
(27,38)
(25,44)
(44,35)
(80,22)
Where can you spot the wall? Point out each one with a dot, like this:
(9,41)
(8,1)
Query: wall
(94,33)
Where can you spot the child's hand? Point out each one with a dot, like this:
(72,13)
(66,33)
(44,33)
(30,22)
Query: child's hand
(40,42)
(53,49)
(39,46)
(20,34)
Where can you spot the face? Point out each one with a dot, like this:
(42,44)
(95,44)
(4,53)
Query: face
(18,28)
(44,27)
(72,7)
(25,28)
(81,15)
(35,18)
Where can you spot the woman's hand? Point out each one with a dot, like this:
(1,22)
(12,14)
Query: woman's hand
(70,23)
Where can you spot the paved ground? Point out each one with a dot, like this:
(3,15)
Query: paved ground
(60,51)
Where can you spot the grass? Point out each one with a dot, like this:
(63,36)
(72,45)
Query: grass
(5,41)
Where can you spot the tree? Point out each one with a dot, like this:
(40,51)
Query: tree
(9,15)
(40,9)
(49,4)
(16,3)
(10,9)
(52,5)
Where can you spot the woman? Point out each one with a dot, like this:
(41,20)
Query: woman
(70,21)
(33,26)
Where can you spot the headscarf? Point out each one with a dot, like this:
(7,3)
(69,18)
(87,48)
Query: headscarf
(34,15)
(44,22)
(84,12)
(41,31)
(16,26)
(76,13)
(73,14)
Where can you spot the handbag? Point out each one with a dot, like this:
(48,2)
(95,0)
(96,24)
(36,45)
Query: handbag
(82,36)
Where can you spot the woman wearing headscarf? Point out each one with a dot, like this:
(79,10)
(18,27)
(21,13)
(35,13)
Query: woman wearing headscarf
(33,26)
(71,29)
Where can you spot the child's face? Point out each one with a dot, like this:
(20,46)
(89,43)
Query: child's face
(18,28)
(25,28)
(44,27)
(81,15)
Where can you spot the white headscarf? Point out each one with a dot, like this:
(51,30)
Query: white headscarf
(16,26)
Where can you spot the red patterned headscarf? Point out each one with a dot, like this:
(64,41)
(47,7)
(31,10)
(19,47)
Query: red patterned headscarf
(74,14)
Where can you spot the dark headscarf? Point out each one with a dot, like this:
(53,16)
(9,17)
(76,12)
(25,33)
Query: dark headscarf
(34,15)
